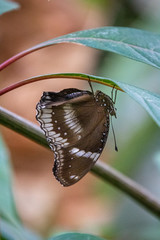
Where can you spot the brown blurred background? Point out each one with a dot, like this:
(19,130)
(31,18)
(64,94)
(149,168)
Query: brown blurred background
(42,202)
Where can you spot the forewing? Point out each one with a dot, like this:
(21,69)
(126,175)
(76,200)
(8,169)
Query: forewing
(76,130)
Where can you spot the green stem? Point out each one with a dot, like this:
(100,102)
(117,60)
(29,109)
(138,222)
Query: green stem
(22,126)
(80,76)
(128,186)
(107,173)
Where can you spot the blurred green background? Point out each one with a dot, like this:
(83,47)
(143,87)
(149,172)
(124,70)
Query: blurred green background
(91,205)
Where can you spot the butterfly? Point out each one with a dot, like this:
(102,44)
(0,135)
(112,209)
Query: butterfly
(76,125)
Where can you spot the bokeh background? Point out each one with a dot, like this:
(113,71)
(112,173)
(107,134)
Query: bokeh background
(89,206)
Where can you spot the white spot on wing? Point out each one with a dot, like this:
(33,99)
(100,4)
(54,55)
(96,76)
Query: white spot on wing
(97,156)
(48,125)
(45,115)
(80,153)
(93,155)
(65,144)
(70,115)
(47,110)
(50,129)
(51,133)
(58,139)
(72,176)
(88,154)
(47,120)
(64,140)
(74,150)
(57,135)
(47,97)
(79,137)
(67,110)
(78,129)
(71,124)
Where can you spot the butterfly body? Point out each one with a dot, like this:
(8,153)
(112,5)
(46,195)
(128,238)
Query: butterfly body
(76,125)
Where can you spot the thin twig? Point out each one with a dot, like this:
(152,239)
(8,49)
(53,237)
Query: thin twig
(79,76)
(104,171)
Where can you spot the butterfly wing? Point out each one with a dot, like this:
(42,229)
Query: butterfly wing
(76,128)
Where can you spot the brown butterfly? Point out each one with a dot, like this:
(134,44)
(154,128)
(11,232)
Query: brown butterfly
(76,125)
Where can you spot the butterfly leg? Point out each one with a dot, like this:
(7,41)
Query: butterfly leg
(89,81)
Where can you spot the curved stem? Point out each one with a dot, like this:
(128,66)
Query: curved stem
(127,185)
(80,76)
(104,171)
(21,54)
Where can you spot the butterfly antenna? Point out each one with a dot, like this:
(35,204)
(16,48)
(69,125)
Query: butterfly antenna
(89,81)
(115,96)
(112,92)
(115,142)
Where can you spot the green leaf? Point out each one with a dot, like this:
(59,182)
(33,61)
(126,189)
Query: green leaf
(148,100)
(157,160)
(10,225)
(6,6)
(133,43)
(7,206)
(75,236)
(9,231)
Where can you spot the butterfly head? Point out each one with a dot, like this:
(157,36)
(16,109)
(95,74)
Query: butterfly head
(105,101)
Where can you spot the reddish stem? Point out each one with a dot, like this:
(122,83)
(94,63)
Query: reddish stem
(48,76)
(18,56)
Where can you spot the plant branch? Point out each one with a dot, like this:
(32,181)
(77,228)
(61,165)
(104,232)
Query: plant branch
(104,171)
(79,76)
(22,126)
(20,55)
(128,186)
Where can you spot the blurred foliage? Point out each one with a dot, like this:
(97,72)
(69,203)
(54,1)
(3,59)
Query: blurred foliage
(10,224)
(102,4)
(157,159)
(75,236)
(6,6)
(137,137)
(7,206)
